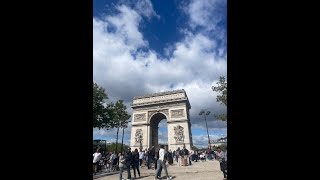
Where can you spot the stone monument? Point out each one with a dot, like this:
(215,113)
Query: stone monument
(149,110)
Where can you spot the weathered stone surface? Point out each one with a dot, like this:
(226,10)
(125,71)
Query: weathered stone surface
(140,117)
(149,110)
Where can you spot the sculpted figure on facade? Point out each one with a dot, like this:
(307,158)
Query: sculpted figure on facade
(178,133)
(139,136)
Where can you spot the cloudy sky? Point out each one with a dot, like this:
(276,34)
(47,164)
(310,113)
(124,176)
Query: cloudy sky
(148,46)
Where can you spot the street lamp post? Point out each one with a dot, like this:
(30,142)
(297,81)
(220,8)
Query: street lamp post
(206,113)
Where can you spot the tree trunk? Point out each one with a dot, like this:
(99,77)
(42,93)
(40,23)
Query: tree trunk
(122,140)
(117,140)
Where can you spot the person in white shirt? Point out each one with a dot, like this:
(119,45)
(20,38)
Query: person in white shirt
(141,156)
(222,159)
(113,162)
(96,158)
(122,164)
(161,163)
(203,157)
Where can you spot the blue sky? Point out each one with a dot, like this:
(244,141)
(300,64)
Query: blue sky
(149,46)
(160,32)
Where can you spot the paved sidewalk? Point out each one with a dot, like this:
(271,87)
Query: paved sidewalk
(207,170)
(104,173)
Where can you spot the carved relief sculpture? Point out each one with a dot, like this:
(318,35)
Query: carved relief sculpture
(164,111)
(177,113)
(139,117)
(178,133)
(139,136)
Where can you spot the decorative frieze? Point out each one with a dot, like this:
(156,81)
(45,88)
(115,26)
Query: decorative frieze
(159,98)
(140,117)
(177,113)
(164,111)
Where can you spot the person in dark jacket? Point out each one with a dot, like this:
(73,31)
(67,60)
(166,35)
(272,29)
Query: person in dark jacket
(185,151)
(148,155)
(170,157)
(129,159)
(153,155)
(135,162)
(156,157)
(178,156)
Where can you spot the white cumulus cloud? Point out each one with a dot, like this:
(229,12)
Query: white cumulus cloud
(126,67)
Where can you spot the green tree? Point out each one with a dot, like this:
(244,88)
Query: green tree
(120,118)
(101,113)
(113,147)
(194,148)
(222,98)
(223,147)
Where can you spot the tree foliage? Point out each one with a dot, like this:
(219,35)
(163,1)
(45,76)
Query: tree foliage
(101,113)
(111,115)
(222,147)
(112,147)
(195,148)
(120,117)
(222,89)
(222,98)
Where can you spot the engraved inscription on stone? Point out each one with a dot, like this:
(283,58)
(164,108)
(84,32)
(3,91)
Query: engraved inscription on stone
(140,117)
(139,136)
(159,98)
(177,113)
(178,133)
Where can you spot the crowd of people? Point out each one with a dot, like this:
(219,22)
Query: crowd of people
(154,160)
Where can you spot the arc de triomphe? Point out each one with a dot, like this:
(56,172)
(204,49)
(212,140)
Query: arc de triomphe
(149,110)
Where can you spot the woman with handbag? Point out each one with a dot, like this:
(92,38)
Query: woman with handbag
(223,164)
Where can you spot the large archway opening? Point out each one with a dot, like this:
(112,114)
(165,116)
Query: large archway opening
(158,126)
